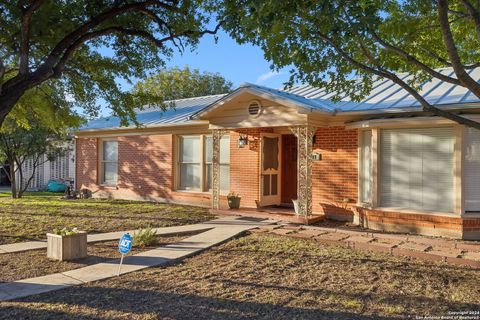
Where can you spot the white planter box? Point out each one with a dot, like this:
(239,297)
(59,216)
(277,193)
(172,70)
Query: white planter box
(67,247)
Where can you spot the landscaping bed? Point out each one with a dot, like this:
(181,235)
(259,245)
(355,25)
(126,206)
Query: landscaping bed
(29,264)
(269,277)
(31,217)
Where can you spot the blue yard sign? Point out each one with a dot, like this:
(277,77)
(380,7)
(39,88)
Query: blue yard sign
(125,244)
(124,247)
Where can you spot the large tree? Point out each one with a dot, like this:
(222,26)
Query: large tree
(80,48)
(332,44)
(179,83)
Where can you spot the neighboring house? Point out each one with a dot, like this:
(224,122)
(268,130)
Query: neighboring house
(62,168)
(381,158)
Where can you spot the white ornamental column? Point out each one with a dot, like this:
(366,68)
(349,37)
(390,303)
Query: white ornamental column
(216,136)
(304,136)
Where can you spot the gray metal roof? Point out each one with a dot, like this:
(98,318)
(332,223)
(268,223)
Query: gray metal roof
(386,96)
(154,116)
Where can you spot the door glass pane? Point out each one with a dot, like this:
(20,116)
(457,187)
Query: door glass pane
(274,186)
(270,153)
(110,150)
(225,177)
(190,149)
(266,184)
(189,176)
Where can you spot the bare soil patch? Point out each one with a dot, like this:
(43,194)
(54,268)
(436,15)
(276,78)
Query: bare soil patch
(266,276)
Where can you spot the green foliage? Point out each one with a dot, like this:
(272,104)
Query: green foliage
(100,41)
(315,37)
(179,83)
(65,232)
(144,237)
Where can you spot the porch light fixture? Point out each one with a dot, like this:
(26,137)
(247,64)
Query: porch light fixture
(242,141)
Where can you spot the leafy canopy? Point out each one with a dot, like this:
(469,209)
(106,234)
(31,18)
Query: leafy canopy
(344,45)
(183,83)
(80,48)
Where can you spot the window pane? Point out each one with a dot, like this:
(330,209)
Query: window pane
(274,184)
(266,184)
(366,166)
(225,149)
(208,176)
(190,149)
(417,169)
(208,149)
(225,177)
(190,176)
(270,153)
(110,172)
(110,150)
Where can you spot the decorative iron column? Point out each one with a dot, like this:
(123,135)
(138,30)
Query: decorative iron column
(216,136)
(304,136)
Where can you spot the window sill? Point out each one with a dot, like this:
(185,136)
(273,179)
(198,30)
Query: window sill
(108,186)
(411,211)
(199,192)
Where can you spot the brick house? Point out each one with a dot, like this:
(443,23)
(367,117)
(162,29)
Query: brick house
(380,161)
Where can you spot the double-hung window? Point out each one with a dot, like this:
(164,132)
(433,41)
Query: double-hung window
(109,162)
(195,166)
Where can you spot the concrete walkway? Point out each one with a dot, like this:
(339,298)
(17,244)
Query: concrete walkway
(219,231)
(99,237)
(451,251)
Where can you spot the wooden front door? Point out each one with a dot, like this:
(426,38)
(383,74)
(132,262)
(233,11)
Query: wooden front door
(270,170)
(289,168)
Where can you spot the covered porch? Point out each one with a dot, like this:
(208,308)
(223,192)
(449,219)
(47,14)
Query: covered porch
(271,154)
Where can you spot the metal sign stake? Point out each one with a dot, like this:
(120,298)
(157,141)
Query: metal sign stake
(120,265)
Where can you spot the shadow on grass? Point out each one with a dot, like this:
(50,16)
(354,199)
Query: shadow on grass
(162,305)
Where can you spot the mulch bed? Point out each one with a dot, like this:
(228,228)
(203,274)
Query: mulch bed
(29,264)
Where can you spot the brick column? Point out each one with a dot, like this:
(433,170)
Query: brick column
(216,136)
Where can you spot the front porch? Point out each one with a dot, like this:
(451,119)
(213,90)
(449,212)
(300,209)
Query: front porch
(284,214)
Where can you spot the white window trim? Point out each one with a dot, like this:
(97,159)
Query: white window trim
(101,163)
(203,165)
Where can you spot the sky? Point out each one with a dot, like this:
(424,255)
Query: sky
(237,63)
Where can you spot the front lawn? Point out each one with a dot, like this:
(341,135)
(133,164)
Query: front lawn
(267,277)
(31,217)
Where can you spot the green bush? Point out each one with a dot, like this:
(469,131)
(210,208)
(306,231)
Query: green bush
(144,237)
(65,232)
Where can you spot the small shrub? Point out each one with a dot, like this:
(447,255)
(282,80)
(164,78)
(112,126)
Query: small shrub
(65,232)
(144,237)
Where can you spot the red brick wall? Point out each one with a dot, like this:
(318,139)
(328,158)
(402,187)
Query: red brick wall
(245,165)
(335,177)
(86,160)
(145,170)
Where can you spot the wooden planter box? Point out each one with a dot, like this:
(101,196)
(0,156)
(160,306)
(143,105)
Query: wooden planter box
(67,247)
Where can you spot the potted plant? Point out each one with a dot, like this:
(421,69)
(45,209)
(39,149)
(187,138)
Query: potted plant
(233,200)
(66,244)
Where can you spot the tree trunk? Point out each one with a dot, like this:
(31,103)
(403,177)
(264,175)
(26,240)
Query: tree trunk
(13,178)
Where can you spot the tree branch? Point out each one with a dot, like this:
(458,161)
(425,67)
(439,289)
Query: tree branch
(27,13)
(474,15)
(411,59)
(452,51)
(393,77)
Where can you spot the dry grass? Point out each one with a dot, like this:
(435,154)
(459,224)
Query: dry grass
(29,264)
(267,277)
(31,217)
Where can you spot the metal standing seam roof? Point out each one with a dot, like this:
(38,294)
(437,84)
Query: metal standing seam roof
(385,95)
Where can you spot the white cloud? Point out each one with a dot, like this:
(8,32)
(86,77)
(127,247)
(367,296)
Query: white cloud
(270,74)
